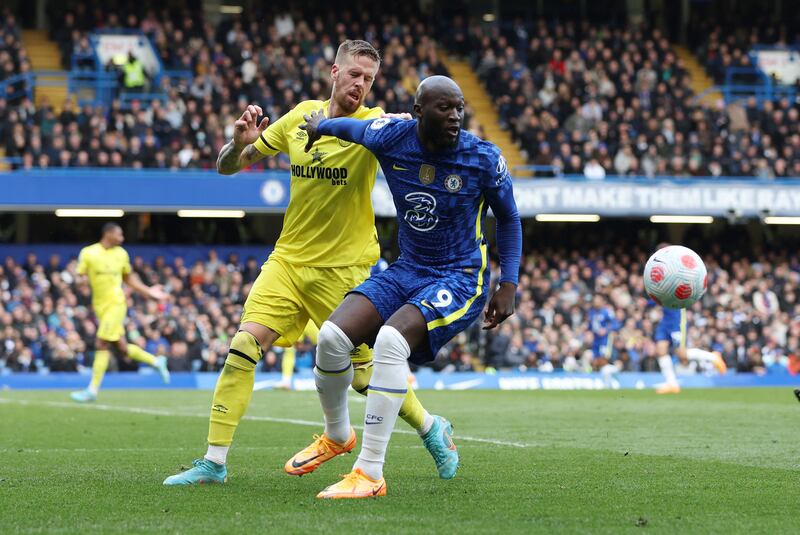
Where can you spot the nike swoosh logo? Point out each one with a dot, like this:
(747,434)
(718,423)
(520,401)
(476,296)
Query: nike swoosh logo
(398,168)
(376,491)
(425,303)
(298,465)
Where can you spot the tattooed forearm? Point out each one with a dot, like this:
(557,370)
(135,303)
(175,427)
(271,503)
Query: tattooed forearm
(249,155)
(233,158)
(228,159)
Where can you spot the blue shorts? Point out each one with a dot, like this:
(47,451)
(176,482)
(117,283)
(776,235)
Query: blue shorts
(600,347)
(669,333)
(450,299)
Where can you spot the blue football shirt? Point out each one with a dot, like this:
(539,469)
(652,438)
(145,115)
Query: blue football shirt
(441,198)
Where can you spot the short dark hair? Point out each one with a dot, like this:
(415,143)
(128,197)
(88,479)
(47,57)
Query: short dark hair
(356,48)
(108,227)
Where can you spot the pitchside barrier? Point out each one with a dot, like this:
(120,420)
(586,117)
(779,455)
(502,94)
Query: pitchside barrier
(268,192)
(424,380)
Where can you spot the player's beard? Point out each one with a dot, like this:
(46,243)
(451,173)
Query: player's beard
(347,104)
(438,134)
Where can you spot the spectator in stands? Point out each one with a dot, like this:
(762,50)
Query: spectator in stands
(593,170)
(764,300)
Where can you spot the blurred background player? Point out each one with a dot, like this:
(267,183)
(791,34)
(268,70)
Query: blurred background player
(602,324)
(290,354)
(107,265)
(669,333)
(313,265)
(438,286)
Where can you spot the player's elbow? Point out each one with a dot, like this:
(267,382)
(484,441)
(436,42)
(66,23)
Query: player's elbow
(509,217)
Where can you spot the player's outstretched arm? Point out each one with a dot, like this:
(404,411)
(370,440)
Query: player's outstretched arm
(151,292)
(405,116)
(240,152)
(344,128)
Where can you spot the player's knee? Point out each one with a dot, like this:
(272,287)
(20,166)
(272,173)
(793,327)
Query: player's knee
(264,336)
(361,377)
(333,348)
(245,351)
(391,348)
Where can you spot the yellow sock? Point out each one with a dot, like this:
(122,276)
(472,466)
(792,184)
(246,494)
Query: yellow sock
(99,368)
(234,389)
(137,353)
(411,411)
(287,364)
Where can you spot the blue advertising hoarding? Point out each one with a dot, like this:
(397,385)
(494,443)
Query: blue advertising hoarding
(425,380)
(268,192)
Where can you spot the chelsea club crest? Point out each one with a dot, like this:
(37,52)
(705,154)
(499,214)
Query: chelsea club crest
(453,183)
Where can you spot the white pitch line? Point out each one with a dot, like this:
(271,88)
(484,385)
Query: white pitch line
(26,450)
(293,421)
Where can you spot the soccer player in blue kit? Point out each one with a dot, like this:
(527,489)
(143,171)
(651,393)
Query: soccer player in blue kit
(602,323)
(443,179)
(670,332)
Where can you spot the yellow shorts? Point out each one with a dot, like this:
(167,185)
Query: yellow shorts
(286,296)
(111,321)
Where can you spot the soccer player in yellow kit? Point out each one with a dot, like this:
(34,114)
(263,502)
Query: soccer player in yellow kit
(311,332)
(326,248)
(107,265)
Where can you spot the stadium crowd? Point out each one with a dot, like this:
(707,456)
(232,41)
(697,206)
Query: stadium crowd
(237,62)
(750,314)
(13,56)
(722,40)
(580,99)
(598,100)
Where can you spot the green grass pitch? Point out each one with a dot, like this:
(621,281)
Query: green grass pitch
(705,461)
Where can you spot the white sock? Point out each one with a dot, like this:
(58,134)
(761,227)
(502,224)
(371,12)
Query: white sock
(333,375)
(667,369)
(608,372)
(387,389)
(217,454)
(701,355)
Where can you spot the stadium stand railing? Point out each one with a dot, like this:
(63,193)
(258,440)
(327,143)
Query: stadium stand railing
(765,88)
(24,84)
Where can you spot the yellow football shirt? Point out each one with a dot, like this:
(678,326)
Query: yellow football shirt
(329,221)
(105,268)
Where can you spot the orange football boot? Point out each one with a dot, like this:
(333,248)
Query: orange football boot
(719,363)
(356,484)
(321,450)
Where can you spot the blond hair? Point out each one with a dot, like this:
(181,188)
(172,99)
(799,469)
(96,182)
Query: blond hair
(355,48)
